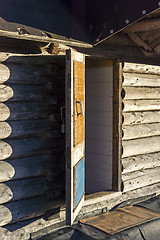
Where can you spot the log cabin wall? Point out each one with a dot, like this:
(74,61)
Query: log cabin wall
(32,160)
(141,126)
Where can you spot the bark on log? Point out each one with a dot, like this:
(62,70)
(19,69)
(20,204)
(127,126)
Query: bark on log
(141,146)
(7,171)
(4,112)
(141,105)
(135,163)
(5,150)
(141,80)
(141,93)
(141,117)
(141,130)
(141,178)
(141,68)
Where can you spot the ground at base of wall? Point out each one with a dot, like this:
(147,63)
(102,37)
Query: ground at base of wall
(144,231)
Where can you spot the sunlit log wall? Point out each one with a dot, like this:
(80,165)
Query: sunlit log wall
(141,126)
(32,145)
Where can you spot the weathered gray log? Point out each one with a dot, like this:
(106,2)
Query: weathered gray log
(26,188)
(29,74)
(26,209)
(33,127)
(5,193)
(4,112)
(29,110)
(141,117)
(30,147)
(4,73)
(141,146)
(5,130)
(140,178)
(141,80)
(140,162)
(5,215)
(141,130)
(141,105)
(7,171)
(36,93)
(5,93)
(5,150)
(141,93)
(36,59)
(141,68)
(43,165)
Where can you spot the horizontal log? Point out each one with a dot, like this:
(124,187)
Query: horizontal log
(5,215)
(140,162)
(5,93)
(141,146)
(34,127)
(141,93)
(30,110)
(141,130)
(29,74)
(5,150)
(4,73)
(141,105)
(7,171)
(5,130)
(43,165)
(31,147)
(34,59)
(140,178)
(141,117)
(141,80)
(26,209)
(33,93)
(4,112)
(141,68)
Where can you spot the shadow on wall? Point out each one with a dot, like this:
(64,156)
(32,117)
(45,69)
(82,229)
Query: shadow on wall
(32,161)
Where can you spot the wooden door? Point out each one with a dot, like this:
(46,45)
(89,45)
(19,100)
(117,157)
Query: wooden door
(75,133)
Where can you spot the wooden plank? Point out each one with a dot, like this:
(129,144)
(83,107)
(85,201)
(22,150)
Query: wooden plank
(141,80)
(141,68)
(26,209)
(141,130)
(5,130)
(5,150)
(117,126)
(121,219)
(141,146)
(135,163)
(4,112)
(141,105)
(5,93)
(140,178)
(141,93)
(141,117)
(7,171)
(139,41)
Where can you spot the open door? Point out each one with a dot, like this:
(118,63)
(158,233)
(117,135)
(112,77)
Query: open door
(75,133)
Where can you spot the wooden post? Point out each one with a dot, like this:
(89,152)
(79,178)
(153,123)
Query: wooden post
(117,125)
